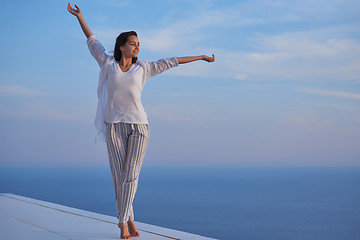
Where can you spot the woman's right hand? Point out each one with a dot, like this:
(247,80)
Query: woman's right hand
(76,12)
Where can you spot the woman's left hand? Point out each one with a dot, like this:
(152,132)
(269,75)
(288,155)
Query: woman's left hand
(208,59)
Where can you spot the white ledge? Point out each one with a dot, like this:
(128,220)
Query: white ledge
(31,219)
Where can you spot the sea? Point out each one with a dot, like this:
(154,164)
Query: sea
(222,202)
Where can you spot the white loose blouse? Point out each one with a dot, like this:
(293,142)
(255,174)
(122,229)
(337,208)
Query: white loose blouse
(119,93)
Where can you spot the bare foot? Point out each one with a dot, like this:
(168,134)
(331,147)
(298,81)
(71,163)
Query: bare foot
(124,231)
(132,229)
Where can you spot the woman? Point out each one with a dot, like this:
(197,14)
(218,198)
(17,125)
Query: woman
(120,117)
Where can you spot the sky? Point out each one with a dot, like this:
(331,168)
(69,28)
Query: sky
(284,89)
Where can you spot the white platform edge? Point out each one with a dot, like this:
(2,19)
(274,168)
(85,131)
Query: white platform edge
(148,228)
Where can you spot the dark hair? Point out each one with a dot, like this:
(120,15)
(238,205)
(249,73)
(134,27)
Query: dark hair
(120,41)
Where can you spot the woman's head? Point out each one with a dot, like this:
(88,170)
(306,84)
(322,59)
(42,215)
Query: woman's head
(127,44)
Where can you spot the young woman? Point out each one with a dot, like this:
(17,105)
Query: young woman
(121,118)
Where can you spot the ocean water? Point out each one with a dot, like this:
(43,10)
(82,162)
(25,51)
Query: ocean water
(254,203)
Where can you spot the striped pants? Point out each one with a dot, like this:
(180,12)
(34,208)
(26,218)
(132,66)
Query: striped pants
(126,144)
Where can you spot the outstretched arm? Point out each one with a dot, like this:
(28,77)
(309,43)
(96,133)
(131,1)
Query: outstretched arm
(182,60)
(77,13)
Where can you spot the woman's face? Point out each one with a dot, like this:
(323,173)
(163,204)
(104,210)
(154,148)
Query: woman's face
(131,47)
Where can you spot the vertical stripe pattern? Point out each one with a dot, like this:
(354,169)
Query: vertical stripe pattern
(126,144)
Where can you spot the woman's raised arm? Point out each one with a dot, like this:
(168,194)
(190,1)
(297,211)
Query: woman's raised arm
(182,60)
(77,13)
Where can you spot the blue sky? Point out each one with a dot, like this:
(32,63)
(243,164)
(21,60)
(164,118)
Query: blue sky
(284,90)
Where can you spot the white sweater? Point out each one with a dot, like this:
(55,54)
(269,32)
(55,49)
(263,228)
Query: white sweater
(119,92)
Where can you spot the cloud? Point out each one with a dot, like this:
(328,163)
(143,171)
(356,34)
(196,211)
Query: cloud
(176,114)
(327,52)
(201,22)
(107,36)
(326,92)
(43,110)
(18,90)
(324,127)
(197,114)
(298,55)
(351,108)
(324,47)
(197,28)
(294,11)
(184,35)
